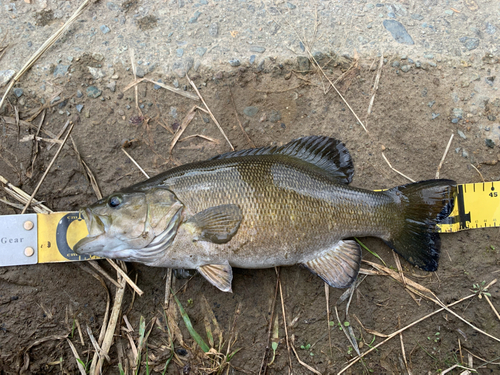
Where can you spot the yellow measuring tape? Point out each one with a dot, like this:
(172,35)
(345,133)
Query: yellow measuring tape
(476,206)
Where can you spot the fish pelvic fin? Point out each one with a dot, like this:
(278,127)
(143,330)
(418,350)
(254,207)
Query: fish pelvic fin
(219,275)
(216,224)
(339,265)
(328,154)
(424,204)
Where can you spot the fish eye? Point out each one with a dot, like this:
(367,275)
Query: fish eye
(114,201)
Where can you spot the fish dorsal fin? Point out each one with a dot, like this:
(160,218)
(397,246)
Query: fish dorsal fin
(219,275)
(216,224)
(339,265)
(328,154)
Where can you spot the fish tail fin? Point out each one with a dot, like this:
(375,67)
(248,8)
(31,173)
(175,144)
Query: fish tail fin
(423,205)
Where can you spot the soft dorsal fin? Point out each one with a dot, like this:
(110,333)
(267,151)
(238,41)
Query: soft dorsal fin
(326,153)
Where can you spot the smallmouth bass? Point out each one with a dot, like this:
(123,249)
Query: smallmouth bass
(266,207)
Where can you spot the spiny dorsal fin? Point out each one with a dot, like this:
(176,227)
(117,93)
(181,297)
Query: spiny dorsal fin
(216,224)
(339,265)
(326,153)
(219,275)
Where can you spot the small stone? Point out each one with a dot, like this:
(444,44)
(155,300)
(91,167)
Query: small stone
(257,49)
(93,92)
(492,118)
(454,121)
(490,29)
(112,6)
(96,73)
(18,92)
(431,103)
(417,17)
(252,59)
(173,112)
(6,76)
(461,134)
(179,52)
(157,87)
(60,70)
(489,142)
(213,29)
(490,80)
(395,64)
(410,61)
(274,116)
(104,29)
(139,72)
(429,56)
(182,67)
(435,115)
(470,43)
(112,86)
(176,83)
(195,17)
(290,6)
(79,107)
(465,154)
(405,68)
(398,32)
(201,51)
(458,112)
(234,62)
(304,64)
(418,64)
(448,12)
(250,111)
(97,56)
(206,120)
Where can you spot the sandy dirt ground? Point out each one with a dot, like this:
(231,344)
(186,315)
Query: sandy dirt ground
(414,113)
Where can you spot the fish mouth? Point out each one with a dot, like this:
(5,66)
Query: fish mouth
(96,229)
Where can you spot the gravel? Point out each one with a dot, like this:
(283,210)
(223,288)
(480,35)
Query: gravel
(93,92)
(250,111)
(398,32)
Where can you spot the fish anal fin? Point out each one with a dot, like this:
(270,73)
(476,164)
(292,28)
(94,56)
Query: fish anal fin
(216,224)
(219,275)
(339,265)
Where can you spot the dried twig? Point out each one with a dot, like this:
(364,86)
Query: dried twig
(375,84)
(23,197)
(181,92)
(187,120)
(395,170)
(444,155)
(238,119)
(45,46)
(96,265)
(47,170)
(96,367)
(327,296)
(209,111)
(263,365)
(312,369)
(402,330)
(136,164)
(477,170)
(125,276)
(77,357)
(284,319)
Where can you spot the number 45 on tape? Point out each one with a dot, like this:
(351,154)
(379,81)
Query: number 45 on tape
(49,238)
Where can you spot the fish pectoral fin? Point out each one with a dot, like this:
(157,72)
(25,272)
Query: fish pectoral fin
(216,224)
(339,265)
(219,275)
